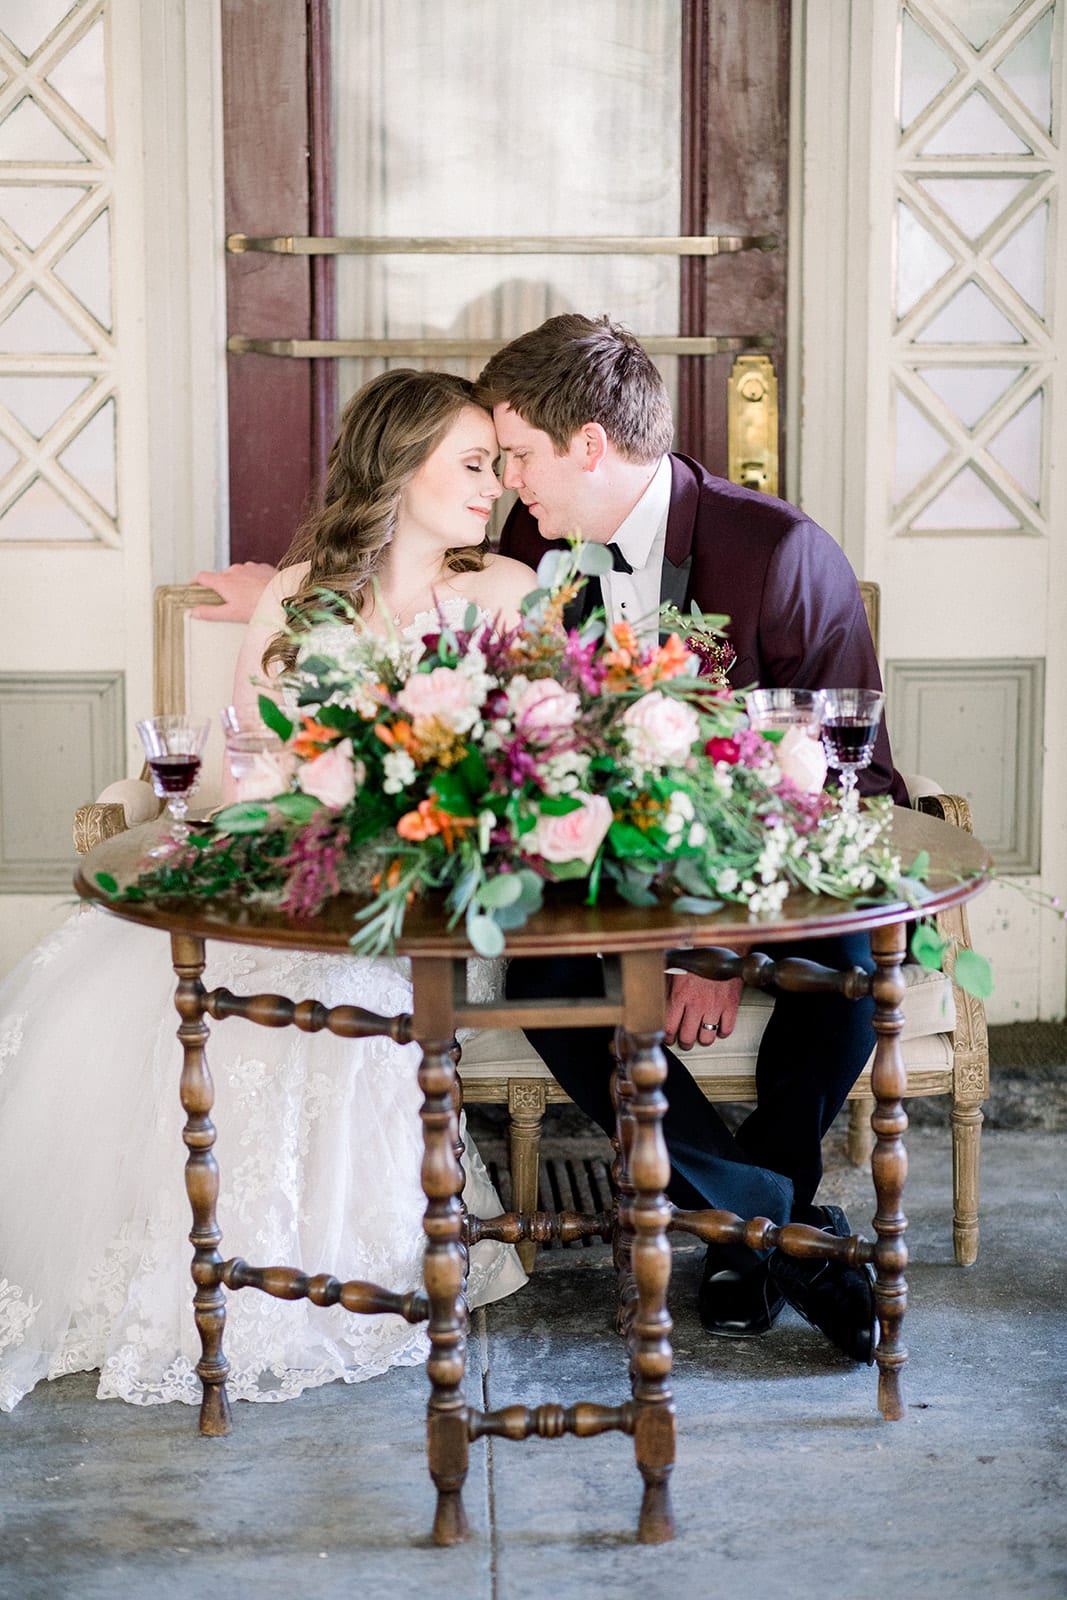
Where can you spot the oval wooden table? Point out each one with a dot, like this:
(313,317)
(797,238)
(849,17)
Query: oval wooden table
(636,945)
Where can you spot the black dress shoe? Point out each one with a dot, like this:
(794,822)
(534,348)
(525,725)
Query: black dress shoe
(736,1302)
(836,1299)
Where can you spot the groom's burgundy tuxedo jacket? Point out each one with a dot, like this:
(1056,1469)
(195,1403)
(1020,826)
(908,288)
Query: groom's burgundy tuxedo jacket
(796,616)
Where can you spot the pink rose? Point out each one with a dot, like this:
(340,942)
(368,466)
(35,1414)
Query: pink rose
(802,760)
(576,836)
(443,693)
(332,777)
(660,730)
(266,776)
(545,708)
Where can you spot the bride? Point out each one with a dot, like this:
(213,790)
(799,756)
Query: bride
(319,1143)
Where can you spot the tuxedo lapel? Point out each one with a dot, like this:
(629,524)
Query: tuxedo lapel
(674,582)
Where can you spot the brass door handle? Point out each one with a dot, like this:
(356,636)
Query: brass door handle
(752,423)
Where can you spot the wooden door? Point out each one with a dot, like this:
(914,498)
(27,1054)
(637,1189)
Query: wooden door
(713,101)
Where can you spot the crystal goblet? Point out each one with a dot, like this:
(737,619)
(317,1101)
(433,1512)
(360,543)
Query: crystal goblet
(174,746)
(849,729)
(771,710)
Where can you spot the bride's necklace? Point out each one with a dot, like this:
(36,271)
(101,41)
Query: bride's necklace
(423,599)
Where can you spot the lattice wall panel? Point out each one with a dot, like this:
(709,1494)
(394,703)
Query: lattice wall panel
(57,322)
(972,351)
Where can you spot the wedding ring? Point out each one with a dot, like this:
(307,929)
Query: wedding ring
(712,1027)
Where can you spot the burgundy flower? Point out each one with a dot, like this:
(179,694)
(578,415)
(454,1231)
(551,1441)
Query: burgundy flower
(727,750)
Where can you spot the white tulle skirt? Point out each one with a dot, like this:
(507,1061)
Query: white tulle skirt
(319,1149)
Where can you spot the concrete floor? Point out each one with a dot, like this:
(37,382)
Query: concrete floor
(787,1482)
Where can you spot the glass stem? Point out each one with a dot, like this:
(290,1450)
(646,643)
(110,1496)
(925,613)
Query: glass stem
(848,789)
(178,806)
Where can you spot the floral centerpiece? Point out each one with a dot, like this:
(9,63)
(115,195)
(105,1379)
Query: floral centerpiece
(484,764)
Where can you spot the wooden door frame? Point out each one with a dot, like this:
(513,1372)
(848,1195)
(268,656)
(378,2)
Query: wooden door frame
(278,159)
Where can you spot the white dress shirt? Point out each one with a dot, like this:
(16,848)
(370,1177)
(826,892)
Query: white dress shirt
(633,597)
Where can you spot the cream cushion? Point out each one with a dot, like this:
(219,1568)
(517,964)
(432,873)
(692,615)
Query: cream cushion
(929,1015)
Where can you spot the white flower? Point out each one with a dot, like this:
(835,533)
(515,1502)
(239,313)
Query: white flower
(727,880)
(399,771)
(698,835)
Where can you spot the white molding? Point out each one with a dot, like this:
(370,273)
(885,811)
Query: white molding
(170,286)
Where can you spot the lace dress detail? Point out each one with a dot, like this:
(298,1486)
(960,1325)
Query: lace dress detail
(319,1149)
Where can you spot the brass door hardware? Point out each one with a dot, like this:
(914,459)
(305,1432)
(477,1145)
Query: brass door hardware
(752,423)
(711,244)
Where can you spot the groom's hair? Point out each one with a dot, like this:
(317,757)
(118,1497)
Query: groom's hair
(573,370)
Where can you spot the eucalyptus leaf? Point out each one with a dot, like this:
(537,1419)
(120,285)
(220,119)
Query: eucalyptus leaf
(973,973)
(594,560)
(696,905)
(503,890)
(548,568)
(297,807)
(470,618)
(633,893)
(509,917)
(928,947)
(248,816)
(486,935)
(533,889)
(531,601)
(275,717)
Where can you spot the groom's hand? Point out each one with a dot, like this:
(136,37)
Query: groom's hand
(693,1001)
(240,587)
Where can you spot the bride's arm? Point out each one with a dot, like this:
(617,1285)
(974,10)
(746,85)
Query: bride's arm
(250,679)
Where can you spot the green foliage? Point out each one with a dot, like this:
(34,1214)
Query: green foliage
(275,718)
(973,973)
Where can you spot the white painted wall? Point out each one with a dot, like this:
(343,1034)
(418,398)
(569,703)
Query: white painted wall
(943,597)
(89,607)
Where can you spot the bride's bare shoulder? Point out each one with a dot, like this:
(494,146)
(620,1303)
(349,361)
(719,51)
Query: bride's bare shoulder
(505,582)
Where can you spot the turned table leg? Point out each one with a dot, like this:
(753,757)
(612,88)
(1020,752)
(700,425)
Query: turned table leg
(445,1261)
(650,1257)
(202,1184)
(889,1166)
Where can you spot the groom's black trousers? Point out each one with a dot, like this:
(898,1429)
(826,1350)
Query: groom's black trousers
(813,1050)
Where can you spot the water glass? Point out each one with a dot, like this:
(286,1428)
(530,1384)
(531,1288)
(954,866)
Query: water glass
(771,710)
(254,754)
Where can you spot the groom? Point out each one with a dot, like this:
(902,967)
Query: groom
(584,424)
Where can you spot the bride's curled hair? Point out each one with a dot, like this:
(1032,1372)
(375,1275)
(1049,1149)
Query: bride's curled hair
(388,429)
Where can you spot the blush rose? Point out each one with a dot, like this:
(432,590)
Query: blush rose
(576,836)
(332,777)
(802,760)
(443,693)
(660,730)
(545,708)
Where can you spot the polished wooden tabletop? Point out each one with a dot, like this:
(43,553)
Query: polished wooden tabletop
(959,867)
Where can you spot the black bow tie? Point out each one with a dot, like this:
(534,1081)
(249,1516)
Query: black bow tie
(593,593)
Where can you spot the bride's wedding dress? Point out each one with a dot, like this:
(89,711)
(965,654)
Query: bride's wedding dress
(319,1149)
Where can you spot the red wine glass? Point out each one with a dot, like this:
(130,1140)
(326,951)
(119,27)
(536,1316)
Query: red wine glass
(849,729)
(174,747)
